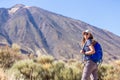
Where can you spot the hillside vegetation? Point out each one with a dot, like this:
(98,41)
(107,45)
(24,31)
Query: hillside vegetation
(15,66)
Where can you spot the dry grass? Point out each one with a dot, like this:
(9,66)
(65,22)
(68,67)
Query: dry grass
(2,75)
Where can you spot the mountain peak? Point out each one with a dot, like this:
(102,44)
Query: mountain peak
(18,6)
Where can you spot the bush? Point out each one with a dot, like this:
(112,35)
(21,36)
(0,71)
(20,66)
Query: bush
(71,73)
(57,70)
(2,75)
(45,68)
(58,66)
(16,47)
(27,70)
(109,72)
(45,59)
(8,56)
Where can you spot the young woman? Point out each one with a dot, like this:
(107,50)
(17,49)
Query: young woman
(90,67)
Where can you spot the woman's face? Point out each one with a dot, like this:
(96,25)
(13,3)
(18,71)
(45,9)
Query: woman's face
(86,35)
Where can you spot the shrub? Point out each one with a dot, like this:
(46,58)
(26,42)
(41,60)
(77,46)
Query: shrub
(71,73)
(2,75)
(8,56)
(16,47)
(45,68)
(65,71)
(58,66)
(27,70)
(45,59)
(109,72)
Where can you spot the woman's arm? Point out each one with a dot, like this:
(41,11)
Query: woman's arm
(92,50)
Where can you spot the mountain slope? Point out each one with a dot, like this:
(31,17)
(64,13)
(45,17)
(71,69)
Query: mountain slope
(39,30)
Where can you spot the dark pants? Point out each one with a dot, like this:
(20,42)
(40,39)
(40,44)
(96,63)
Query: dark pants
(90,71)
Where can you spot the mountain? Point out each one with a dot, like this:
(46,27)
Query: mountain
(41,31)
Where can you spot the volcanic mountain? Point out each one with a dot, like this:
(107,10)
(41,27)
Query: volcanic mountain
(42,31)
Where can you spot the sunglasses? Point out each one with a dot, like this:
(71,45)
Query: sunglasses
(85,33)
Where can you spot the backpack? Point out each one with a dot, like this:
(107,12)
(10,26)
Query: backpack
(98,55)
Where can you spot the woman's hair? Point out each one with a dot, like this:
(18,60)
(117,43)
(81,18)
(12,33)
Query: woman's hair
(90,37)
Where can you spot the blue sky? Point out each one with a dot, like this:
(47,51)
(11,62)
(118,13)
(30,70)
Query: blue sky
(104,14)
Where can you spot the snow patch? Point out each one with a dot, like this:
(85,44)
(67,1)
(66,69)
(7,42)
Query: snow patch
(27,7)
(13,10)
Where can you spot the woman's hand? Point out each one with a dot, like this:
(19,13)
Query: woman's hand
(82,51)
